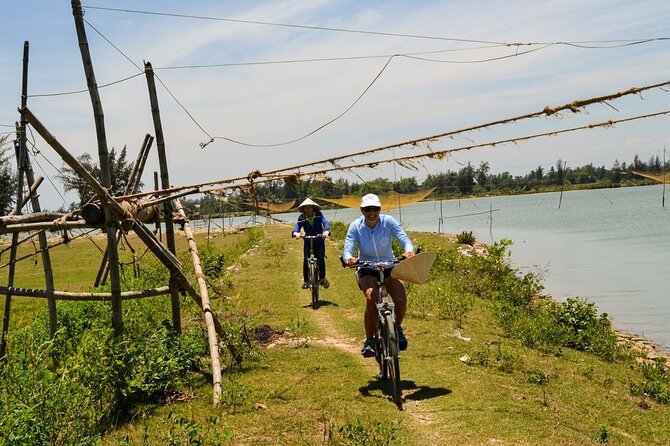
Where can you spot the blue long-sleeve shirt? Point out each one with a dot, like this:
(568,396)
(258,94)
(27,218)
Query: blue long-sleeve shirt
(374,244)
(312,226)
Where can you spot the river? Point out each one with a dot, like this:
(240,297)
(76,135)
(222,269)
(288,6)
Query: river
(610,246)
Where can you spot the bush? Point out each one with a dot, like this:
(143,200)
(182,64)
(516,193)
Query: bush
(655,382)
(338,230)
(69,389)
(466,238)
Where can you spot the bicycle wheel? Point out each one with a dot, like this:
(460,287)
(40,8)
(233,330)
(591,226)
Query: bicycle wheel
(381,351)
(392,360)
(314,283)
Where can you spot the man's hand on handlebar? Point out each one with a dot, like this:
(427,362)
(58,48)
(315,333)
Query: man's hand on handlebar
(352,260)
(326,234)
(297,234)
(408,254)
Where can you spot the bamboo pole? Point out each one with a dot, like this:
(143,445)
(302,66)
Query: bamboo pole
(165,183)
(49,226)
(133,182)
(19,205)
(66,295)
(105,172)
(35,217)
(31,191)
(34,200)
(206,307)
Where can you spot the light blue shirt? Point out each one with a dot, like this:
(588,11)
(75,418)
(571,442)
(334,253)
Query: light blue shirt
(374,244)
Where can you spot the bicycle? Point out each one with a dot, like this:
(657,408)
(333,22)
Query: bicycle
(386,334)
(313,270)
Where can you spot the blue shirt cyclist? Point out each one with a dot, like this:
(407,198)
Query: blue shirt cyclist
(372,234)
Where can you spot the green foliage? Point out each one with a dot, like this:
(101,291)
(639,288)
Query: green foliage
(338,230)
(67,390)
(178,430)
(212,261)
(364,433)
(298,328)
(119,167)
(655,381)
(602,436)
(515,299)
(585,329)
(466,238)
(450,301)
(500,357)
(7,179)
(235,394)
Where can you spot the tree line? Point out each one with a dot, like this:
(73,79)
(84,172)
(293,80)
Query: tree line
(467,181)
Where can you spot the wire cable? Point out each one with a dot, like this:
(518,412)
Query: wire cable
(581,44)
(287,25)
(203,145)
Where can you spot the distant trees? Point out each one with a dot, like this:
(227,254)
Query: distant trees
(119,168)
(466,181)
(7,178)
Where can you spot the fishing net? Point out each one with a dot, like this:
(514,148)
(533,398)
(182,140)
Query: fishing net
(265,206)
(390,200)
(660,177)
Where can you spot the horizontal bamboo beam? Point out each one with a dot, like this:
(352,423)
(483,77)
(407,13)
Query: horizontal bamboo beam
(49,226)
(66,295)
(31,218)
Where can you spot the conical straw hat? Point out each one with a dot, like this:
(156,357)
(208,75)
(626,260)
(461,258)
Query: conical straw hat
(308,202)
(414,269)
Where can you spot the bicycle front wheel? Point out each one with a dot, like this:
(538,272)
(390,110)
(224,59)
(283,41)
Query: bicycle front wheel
(314,284)
(393,364)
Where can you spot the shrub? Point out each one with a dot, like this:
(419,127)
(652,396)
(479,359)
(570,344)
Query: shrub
(466,238)
(69,389)
(655,381)
(338,230)
(451,302)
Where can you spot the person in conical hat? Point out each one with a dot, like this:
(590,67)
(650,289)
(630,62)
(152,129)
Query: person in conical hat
(312,222)
(372,234)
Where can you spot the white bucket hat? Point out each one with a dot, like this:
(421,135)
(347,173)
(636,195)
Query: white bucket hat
(370,200)
(308,202)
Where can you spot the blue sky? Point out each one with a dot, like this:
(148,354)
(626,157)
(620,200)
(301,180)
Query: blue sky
(274,103)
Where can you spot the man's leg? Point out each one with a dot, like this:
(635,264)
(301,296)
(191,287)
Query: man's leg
(397,291)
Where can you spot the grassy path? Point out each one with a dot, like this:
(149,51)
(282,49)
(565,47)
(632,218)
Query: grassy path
(310,386)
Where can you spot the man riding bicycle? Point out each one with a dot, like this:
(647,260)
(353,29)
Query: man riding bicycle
(312,222)
(372,234)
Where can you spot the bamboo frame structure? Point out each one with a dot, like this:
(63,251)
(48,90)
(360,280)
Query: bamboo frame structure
(118,216)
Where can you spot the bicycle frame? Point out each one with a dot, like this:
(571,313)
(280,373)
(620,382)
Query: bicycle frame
(386,338)
(313,270)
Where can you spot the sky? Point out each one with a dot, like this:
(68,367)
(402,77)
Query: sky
(211,59)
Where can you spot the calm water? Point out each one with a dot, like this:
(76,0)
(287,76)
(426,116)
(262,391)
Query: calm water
(611,246)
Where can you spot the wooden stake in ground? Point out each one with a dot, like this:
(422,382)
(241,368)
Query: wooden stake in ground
(105,172)
(206,307)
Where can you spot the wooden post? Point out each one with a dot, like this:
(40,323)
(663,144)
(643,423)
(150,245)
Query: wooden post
(206,307)
(19,205)
(34,200)
(133,184)
(165,184)
(105,172)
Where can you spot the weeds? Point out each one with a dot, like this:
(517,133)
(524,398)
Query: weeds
(465,238)
(360,433)
(655,381)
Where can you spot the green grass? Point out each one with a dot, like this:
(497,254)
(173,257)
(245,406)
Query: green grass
(313,388)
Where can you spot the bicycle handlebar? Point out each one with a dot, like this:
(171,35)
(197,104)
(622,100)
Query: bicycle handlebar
(313,236)
(370,263)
